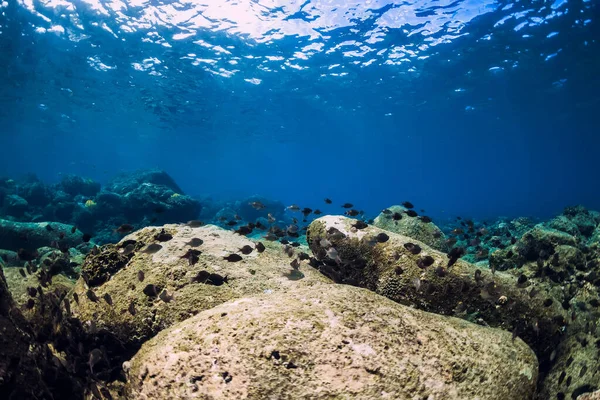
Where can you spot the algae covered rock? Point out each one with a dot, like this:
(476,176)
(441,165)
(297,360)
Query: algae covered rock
(15,205)
(160,276)
(426,232)
(538,242)
(590,396)
(33,235)
(577,357)
(22,360)
(330,342)
(410,272)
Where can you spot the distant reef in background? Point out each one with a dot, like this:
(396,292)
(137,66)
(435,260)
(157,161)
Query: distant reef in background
(139,198)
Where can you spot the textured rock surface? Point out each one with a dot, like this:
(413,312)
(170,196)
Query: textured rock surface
(21,359)
(426,232)
(391,270)
(167,270)
(33,235)
(18,285)
(576,368)
(590,396)
(330,342)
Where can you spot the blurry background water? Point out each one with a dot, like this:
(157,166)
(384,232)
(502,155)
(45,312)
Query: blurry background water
(475,107)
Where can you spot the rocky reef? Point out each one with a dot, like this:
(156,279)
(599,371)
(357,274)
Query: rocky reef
(250,310)
(139,198)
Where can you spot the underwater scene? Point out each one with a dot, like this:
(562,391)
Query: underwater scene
(316,199)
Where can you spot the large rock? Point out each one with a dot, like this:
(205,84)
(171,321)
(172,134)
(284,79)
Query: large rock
(112,272)
(152,199)
(22,360)
(15,205)
(539,242)
(590,396)
(75,185)
(33,235)
(577,361)
(330,342)
(389,268)
(426,232)
(126,182)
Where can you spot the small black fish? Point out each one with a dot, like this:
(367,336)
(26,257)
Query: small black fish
(128,249)
(347,205)
(26,255)
(201,277)
(257,205)
(151,248)
(195,242)
(165,296)
(195,223)
(454,254)
(303,256)
(411,213)
(91,295)
(328,201)
(294,244)
(352,213)
(67,306)
(360,225)
(425,219)
(217,280)
(317,212)
(30,303)
(425,262)
(247,249)
(385,211)
(49,228)
(192,255)
(140,275)
(407,204)
(108,299)
(125,228)
(260,247)
(260,226)
(243,230)
(150,290)
(31,291)
(75,296)
(86,237)
(306,211)
(413,248)
(295,263)
(396,216)
(73,229)
(271,237)
(131,308)
(22,272)
(231,223)
(440,271)
(233,257)
(382,238)
(163,236)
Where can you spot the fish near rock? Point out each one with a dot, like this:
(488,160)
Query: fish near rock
(442,288)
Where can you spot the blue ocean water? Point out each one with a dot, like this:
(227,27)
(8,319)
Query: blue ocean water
(478,108)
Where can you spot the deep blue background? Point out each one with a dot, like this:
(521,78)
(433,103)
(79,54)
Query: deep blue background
(528,147)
